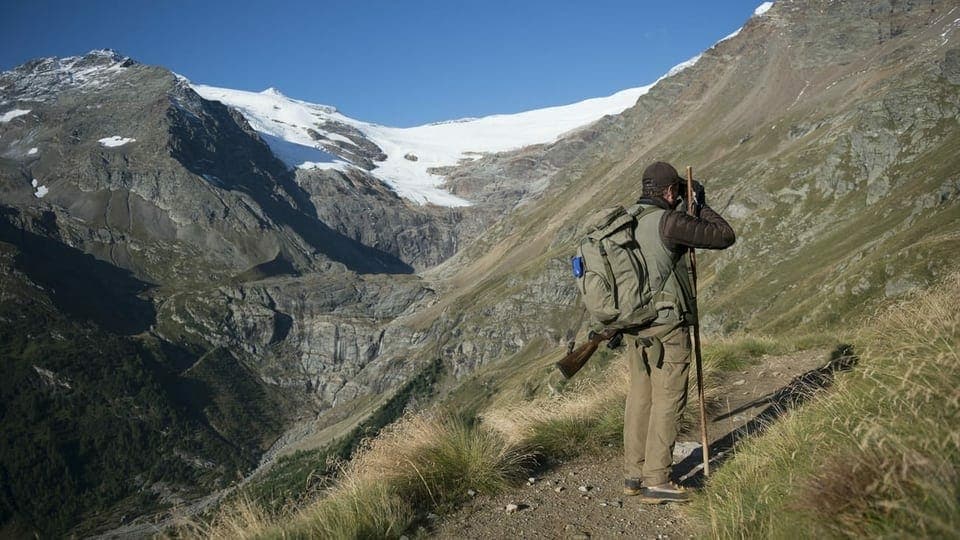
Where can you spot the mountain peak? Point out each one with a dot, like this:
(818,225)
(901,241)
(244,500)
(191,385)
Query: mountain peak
(43,78)
(272,91)
(112,54)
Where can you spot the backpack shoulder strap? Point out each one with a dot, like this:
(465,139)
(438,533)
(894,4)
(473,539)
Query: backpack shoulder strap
(607,268)
(640,210)
(614,224)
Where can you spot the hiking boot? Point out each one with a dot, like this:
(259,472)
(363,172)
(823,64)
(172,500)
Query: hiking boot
(664,493)
(631,486)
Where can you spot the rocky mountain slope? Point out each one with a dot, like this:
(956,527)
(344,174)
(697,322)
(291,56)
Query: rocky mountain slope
(126,200)
(825,131)
(138,169)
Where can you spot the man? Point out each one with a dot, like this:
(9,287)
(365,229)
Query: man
(659,355)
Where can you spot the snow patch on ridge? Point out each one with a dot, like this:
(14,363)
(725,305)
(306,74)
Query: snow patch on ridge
(762,8)
(115,141)
(679,67)
(282,123)
(41,190)
(731,35)
(10,115)
(952,26)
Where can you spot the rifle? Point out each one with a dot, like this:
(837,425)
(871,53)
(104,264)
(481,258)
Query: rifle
(570,364)
(695,336)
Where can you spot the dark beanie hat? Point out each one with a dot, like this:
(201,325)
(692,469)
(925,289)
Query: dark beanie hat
(660,175)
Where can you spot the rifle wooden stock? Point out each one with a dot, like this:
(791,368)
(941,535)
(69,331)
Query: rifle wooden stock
(570,364)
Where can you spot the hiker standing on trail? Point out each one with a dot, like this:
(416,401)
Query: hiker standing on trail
(659,355)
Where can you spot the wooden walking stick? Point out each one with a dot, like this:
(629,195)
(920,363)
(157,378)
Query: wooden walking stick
(695,335)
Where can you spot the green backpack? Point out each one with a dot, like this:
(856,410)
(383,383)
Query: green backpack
(611,272)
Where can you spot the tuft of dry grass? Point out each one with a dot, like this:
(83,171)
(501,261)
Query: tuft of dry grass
(877,456)
(241,518)
(356,508)
(434,459)
(425,461)
(572,417)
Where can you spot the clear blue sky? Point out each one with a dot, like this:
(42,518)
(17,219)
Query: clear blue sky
(396,62)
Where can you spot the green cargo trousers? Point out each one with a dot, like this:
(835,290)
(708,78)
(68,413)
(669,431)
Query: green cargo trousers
(655,402)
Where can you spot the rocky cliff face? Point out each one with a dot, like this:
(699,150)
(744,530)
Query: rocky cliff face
(362,208)
(330,337)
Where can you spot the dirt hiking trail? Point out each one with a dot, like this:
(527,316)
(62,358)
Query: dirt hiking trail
(583,498)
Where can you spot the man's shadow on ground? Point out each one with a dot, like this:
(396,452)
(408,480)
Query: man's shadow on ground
(798,391)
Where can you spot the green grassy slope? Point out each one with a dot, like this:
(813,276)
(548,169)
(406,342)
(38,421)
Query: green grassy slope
(877,456)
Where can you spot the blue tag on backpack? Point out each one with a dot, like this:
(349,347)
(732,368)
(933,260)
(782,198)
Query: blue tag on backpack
(577,266)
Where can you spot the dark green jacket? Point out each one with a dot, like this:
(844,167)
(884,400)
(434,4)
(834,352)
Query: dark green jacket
(664,235)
